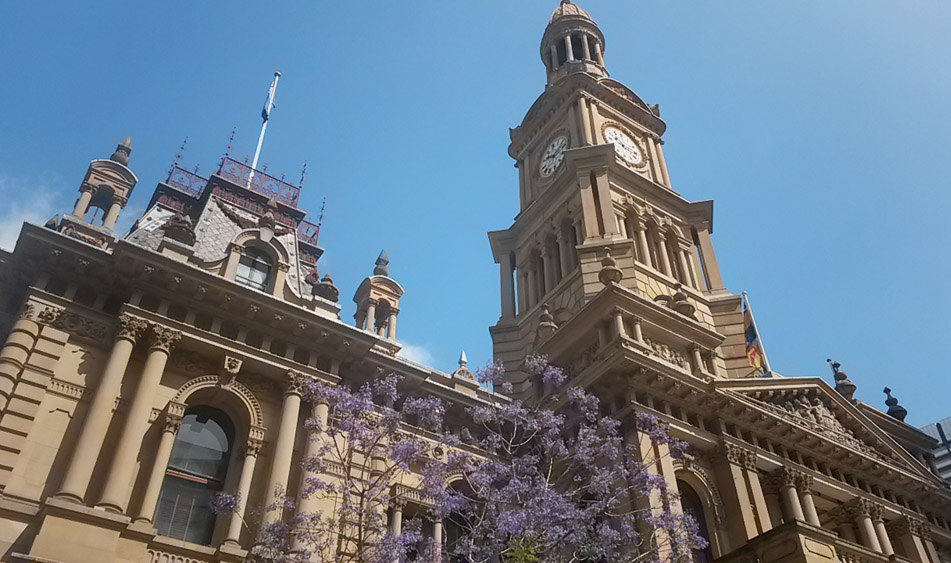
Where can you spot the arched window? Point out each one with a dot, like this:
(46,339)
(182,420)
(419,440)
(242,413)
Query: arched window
(196,471)
(693,506)
(254,269)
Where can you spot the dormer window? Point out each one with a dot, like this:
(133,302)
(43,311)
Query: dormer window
(254,269)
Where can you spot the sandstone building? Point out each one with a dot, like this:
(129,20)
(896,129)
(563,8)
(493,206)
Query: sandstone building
(141,374)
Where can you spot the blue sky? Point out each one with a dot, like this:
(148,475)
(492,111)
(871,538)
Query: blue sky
(819,128)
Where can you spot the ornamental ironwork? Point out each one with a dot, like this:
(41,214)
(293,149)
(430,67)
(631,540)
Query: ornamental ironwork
(261,183)
(185,181)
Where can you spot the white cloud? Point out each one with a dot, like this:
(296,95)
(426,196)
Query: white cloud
(418,354)
(33,199)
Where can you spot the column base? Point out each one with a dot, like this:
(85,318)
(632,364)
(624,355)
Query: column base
(70,497)
(111,508)
(231,551)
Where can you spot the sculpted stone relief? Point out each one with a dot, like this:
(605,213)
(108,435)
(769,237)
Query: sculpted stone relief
(667,354)
(814,414)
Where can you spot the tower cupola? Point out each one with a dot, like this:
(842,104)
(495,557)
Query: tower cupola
(572,43)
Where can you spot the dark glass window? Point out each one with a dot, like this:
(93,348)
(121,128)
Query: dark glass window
(195,473)
(692,505)
(254,269)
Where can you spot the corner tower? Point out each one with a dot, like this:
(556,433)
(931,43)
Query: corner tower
(595,193)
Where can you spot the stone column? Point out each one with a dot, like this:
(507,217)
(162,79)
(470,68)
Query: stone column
(643,247)
(684,269)
(842,521)
(283,445)
(508,288)
(315,442)
(695,354)
(664,254)
(554,58)
(115,497)
(743,497)
(251,452)
(786,480)
(585,48)
(606,204)
(391,323)
(437,539)
(96,423)
(109,222)
(371,315)
(308,503)
(548,279)
(805,483)
(532,286)
(638,331)
(878,521)
(82,204)
(597,53)
(568,49)
(173,421)
(619,323)
(15,353)
(860,510)
(563,257)
(396,516)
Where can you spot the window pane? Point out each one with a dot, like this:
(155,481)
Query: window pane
(196,469)
(184,510)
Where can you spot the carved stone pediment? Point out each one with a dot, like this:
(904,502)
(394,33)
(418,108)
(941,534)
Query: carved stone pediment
(807,409)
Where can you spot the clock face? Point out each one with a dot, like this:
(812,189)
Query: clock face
(624,146)
(553,156)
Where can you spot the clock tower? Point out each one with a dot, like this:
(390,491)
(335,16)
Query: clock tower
(604,253)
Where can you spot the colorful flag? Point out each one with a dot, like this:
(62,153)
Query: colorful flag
(755,355)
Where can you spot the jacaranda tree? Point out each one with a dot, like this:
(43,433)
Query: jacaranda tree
(548,480)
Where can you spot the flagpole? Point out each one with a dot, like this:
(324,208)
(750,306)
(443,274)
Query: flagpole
(257,151)
(758,334)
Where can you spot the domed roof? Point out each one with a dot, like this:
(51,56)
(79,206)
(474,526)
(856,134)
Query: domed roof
(566,8)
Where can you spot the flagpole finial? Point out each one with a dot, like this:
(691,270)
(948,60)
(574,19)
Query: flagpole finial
(277,73)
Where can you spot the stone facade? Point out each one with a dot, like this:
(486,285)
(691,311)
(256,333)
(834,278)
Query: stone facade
(213,301)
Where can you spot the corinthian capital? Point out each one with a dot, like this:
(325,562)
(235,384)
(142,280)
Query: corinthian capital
(163,338)
(294,383)
(129,327)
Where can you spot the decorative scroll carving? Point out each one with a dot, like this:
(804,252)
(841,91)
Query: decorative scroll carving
(74,323)
(129,327)
(190,363)
(253,447)
(666,353)
(907,526)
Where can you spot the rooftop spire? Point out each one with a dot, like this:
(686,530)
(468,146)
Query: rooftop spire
(382,265)
(122,152)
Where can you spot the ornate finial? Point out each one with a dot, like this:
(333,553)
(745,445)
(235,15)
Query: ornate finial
(265,168)
(283,176)
(609,273)
(842,384)
(303,172)
(894,409)
(463,360)
(546,324)
(382,264)
(122,152)
(178,156)
(327,289)
(196,168)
